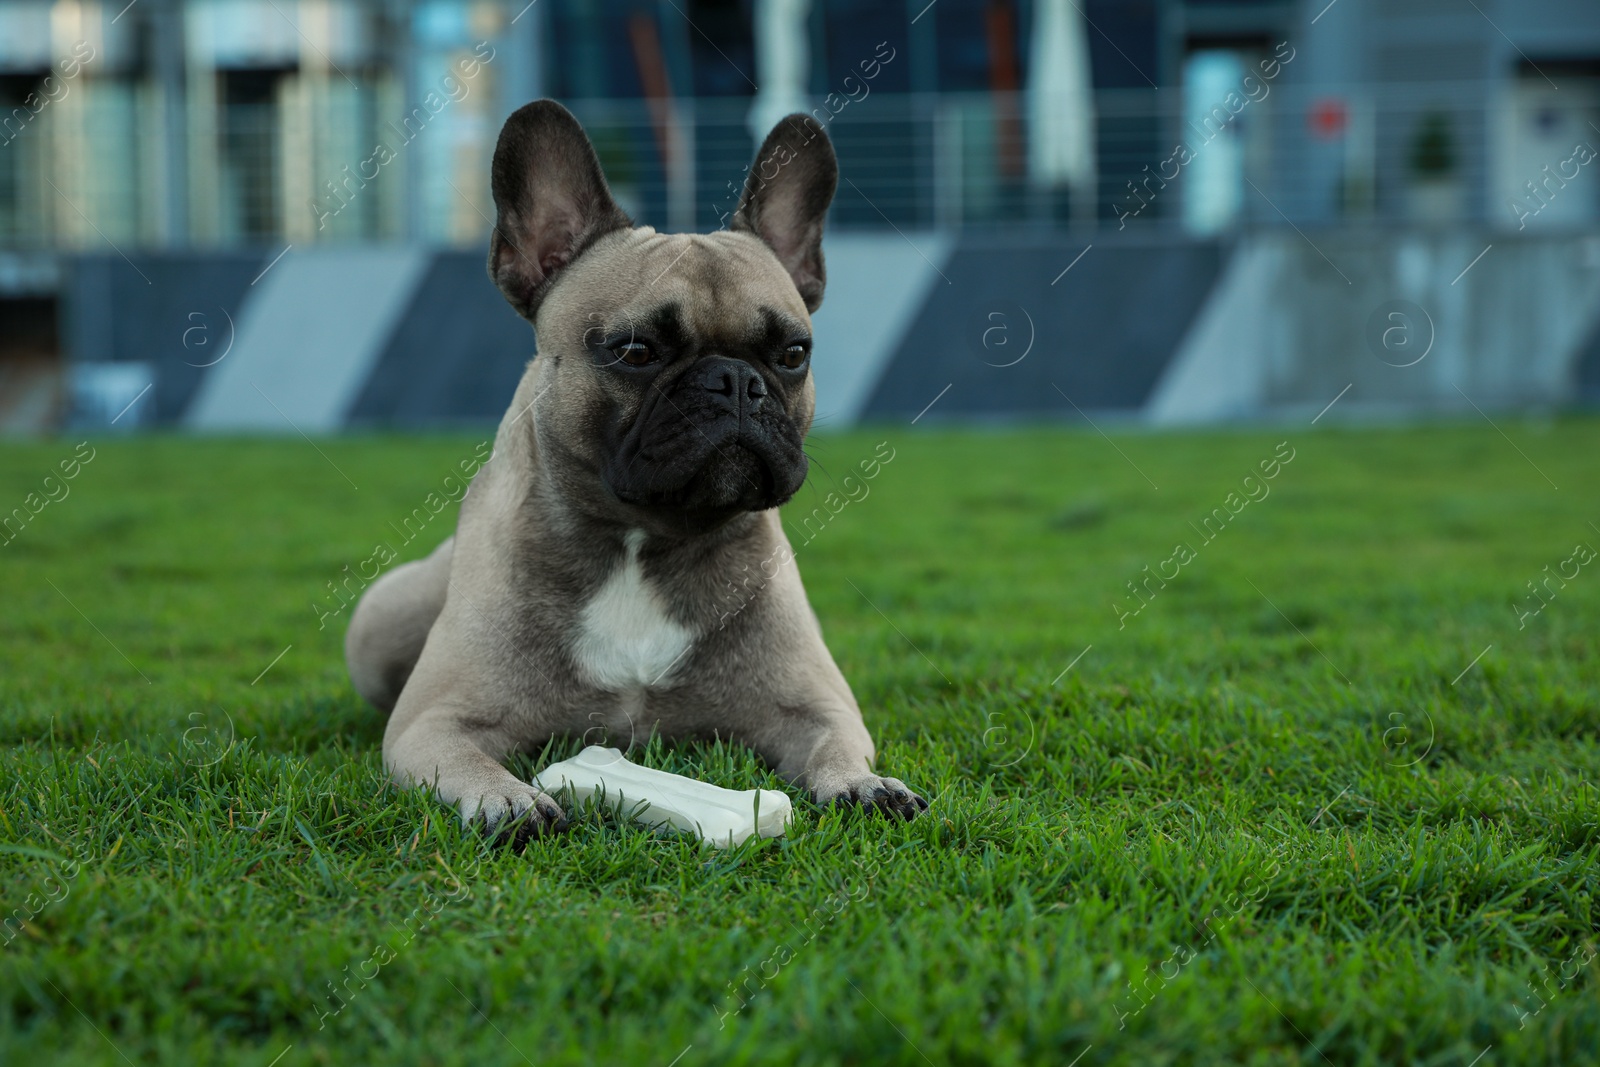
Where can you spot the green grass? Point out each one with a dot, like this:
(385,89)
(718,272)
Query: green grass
(1269,802)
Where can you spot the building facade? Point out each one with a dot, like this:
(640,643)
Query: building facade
(202,138)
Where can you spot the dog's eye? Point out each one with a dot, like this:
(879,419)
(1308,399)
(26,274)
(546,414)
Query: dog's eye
(635,354)
(794,357)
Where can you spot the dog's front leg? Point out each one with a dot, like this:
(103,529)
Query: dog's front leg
(824,746)
(440,751)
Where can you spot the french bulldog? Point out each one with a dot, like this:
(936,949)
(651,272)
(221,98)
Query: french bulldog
(635,480)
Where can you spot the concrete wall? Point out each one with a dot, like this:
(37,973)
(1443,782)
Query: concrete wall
(1410,321)
(1166,330)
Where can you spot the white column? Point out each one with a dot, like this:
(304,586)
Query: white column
(783,59)
(1061,120)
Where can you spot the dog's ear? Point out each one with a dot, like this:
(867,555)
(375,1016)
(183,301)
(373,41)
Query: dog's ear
(786,199)
(551,200)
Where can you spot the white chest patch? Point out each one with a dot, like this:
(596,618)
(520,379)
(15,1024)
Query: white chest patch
(625,637)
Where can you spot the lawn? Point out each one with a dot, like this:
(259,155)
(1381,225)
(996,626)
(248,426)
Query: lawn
(1317,787)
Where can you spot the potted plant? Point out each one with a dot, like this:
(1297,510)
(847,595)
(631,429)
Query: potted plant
(1434,195)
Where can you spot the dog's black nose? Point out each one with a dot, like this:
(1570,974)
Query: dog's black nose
(735,381)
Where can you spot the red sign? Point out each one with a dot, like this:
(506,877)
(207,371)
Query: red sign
(1327,118)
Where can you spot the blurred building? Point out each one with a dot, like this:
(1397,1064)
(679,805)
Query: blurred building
(237,213)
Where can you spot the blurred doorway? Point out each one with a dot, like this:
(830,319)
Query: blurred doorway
(1549,175)
(1220,116)
(249,144)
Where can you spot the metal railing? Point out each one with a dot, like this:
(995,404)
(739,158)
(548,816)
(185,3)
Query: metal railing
(94,168)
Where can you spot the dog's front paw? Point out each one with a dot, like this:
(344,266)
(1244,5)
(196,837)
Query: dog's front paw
(888,795)
(514,816)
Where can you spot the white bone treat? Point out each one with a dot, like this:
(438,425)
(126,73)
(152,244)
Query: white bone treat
(723,817)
